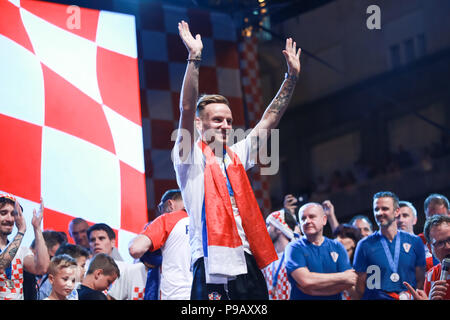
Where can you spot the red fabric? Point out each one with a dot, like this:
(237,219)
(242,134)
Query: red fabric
(220,222)
(428,259)
(433,275)
(159,230)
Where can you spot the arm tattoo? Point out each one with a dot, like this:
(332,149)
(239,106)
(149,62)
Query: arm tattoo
(281,100)
(196,61)
(10,251)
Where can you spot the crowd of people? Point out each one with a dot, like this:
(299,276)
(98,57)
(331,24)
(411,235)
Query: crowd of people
(363,172)
(211,241)
(357,262)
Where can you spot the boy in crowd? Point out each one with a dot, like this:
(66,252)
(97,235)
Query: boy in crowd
(102,272)
(61,274)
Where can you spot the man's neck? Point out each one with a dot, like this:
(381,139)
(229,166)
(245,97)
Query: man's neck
(390,232)
(3,241)
(88,281)
(316,239)
(281,244)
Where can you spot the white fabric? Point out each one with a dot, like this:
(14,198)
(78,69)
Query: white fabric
(7,293)
(176,277)
(190,179)
(131,283)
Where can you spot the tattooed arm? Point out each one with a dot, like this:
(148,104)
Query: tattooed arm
(277,107)
(189,90)
(10,251)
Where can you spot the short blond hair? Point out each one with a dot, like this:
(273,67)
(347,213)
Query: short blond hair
(60,262)
(206,99)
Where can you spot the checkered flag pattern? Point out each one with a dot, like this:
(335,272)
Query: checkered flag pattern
(70,109)
(282,291)
(16,280)
(70,115)
(248,51)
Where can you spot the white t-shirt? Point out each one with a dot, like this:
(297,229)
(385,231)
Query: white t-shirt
(190,179)
(131,283)
(13,289)
(170,232)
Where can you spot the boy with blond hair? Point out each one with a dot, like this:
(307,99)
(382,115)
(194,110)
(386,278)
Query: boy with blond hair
(62,273)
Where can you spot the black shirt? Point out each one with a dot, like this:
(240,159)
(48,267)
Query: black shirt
(86,293)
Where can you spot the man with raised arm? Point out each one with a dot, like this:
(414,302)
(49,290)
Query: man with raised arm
(15,258)
(228,236)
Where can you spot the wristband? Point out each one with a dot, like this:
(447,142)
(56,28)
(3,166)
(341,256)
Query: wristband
(21,233)
(290,76)
(193,60)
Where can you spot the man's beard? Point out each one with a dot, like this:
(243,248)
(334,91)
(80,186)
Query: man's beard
(5,233)
(387,223)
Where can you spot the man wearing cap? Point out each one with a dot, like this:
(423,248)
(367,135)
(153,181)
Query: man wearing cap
(14,258)
(229,240)
(280,226)
(170,233)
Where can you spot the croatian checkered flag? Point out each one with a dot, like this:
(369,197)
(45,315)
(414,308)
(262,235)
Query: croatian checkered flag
(70,115)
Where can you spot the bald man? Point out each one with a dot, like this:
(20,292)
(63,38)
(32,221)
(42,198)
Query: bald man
(318,267)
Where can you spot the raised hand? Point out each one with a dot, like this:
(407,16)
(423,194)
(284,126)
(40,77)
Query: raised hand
(290,203)
(292,56)
(328,208)
(19,220)
(37,216)
(193,45)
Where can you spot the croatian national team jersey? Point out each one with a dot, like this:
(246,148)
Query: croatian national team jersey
(432,275)
(131,283)
(329,257)
(11,284)
(277,280)
(370,258)
(170,232)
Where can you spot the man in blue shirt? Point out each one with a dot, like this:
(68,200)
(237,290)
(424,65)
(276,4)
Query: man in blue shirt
(387,258)
(317,267)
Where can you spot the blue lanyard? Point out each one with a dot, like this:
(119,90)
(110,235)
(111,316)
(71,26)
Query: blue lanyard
(230,189)
(392,263)
(8,270)
(275,276)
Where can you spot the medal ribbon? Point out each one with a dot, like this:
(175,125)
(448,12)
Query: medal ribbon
(275,275)
(392,263)
(8,270)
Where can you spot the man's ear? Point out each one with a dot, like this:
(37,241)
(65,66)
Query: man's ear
(51,279)
(397,212)
(169,206)
(97,273)
(198,124)
(325,219)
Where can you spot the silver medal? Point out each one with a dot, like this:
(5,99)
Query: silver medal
(395,277)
